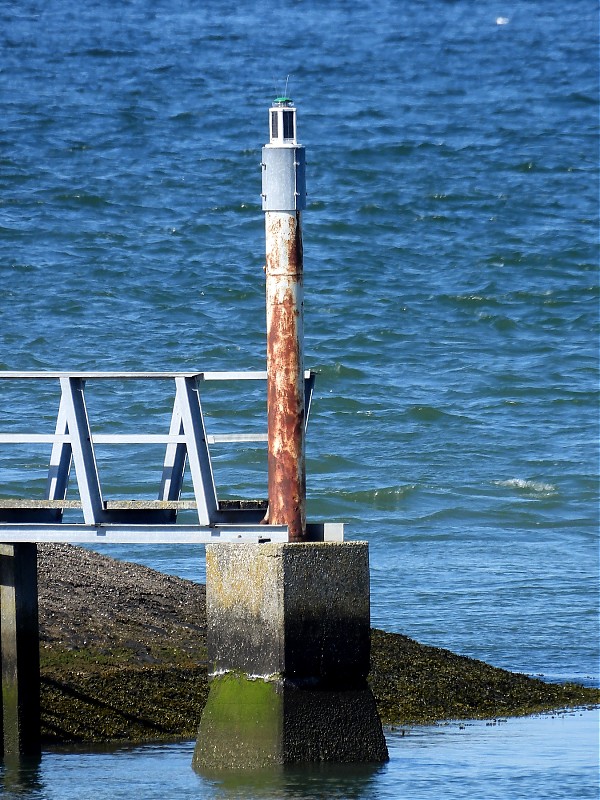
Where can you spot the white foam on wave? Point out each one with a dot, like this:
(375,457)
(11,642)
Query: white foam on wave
(530,486)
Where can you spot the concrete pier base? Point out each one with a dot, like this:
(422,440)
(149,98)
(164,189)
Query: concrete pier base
(19,651)
(289,645)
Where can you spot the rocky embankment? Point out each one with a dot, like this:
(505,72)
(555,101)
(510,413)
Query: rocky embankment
(123,657)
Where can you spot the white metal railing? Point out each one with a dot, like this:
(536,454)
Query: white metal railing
(186,443)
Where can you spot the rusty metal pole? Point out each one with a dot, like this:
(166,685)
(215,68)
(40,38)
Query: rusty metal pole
(284,196)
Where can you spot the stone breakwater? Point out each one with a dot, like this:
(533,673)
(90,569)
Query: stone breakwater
(123,658)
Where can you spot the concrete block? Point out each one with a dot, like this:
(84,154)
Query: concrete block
(289,646)
(294,610)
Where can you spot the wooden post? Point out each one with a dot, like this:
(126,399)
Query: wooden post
(19,650)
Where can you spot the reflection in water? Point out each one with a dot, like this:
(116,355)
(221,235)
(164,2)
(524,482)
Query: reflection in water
(348,781)
(551,755)
(21,777)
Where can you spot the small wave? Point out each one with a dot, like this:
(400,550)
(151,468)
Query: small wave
(585,99)
(183,116)
(539,487)
(338,370)
(83,198)
(471,300)
(500,323)
(107,52)
(383,498)
(426,413)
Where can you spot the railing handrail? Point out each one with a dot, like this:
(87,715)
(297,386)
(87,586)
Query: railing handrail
(128,438)
(186,440)
(251,375)
(139,521)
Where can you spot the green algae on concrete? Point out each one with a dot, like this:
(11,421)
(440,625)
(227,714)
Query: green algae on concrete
(241,724)
(253,723)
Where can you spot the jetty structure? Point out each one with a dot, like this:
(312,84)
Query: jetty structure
(288,624)
(288,615)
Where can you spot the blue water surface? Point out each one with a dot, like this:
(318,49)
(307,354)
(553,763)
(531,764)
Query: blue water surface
(553,756)
(451,311)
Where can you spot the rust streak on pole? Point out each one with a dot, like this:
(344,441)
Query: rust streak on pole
(285,373)
(283,198)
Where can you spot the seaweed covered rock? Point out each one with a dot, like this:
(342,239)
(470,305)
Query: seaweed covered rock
(414,683)
(123,657)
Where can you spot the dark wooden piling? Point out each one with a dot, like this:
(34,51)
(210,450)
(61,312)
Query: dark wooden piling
(19,650)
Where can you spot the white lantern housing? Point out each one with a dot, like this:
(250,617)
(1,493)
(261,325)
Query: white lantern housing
(283,161)
(282,115)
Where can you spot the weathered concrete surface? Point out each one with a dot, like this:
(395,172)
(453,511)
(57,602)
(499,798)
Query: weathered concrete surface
(244,615)
(288,641)
(19,650)
(342,726)
(298,610)
(326,595)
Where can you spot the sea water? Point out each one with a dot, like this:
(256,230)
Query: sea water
(552,756)
(451,315)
